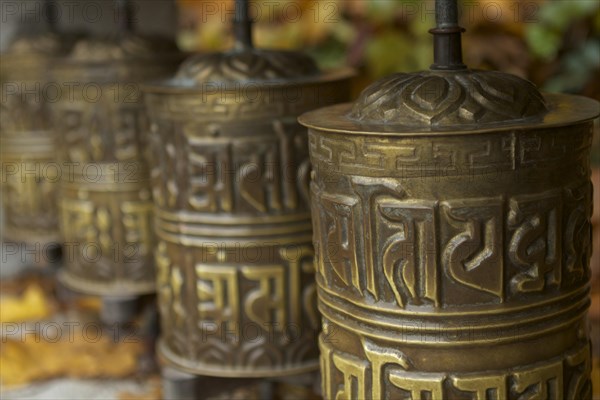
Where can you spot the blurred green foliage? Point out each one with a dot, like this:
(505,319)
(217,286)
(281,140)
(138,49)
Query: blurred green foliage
(579,59)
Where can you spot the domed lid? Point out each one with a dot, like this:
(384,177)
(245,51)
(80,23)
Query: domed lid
(49,43)
(244,62)
(449,94)
(122,45)
(449,98)
(45,44)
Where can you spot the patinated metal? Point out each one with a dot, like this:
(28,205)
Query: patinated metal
(451,211)
(30,173)
(105,202)
(230,185)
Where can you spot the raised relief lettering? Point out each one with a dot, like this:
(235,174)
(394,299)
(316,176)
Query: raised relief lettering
(163,271)
(325,363)
(579,385)
(210,171)
(176,283)
(260,180)
(287,165)
(487,387)
(409,255)
(354,372)
(318,222)
(420,385)
(339,249)
(578,232)
(535,246)
(126,142)
(90,229)
(540,382)
(23,192)
(266,305)
(78,216)
(474,256)
(369,194)
(218,298)
(389,371)
(137,221)
(300,261)
(383,361)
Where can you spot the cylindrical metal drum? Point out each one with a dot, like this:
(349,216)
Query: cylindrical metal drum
(105,204)
(230,185)
(451,213)
(30,173)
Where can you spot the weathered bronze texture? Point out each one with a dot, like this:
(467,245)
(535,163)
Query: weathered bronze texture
(451,211)
(30,173)
(105,204)
(230,185)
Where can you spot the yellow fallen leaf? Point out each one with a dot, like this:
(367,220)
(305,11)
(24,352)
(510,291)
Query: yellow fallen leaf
(31,305)
(35,359)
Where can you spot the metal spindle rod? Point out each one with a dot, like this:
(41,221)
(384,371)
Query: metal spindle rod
(446,14)
(51,14)
(447,49)
(242,24)
(124,12)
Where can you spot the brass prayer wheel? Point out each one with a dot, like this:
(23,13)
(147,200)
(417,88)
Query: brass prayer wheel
(105,204)
(451,211)
(30,172)
(230,186)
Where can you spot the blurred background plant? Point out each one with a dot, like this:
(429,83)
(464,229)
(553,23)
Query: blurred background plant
(556,44)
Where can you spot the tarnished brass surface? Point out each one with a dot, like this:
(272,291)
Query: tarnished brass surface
(230,184)
(105,204)
(451,212)
(454,264)
(27,144)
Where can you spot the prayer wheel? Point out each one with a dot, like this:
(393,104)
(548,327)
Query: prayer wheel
(451,211)
(105,202)
(30,172)
(230,187)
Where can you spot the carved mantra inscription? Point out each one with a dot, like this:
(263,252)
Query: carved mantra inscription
(30,203)
(90,229)
(387,374)
(240,310)
(491,249)
(216,174)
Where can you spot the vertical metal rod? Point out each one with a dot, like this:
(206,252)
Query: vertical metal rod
(446,13)
(124,12)
(447,48)
(51,14)
(242,25)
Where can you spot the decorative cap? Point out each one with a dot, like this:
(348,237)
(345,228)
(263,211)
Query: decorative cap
(123,47)
(46,44)
(247,64)
(124,44)
(448,98)
(244,62)
(448,94)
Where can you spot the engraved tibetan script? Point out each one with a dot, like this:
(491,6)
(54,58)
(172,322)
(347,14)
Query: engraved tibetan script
(388,373)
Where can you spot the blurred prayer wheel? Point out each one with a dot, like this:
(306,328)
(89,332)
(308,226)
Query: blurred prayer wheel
(106,205)
(451,211)
(30,173)
(230,185)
